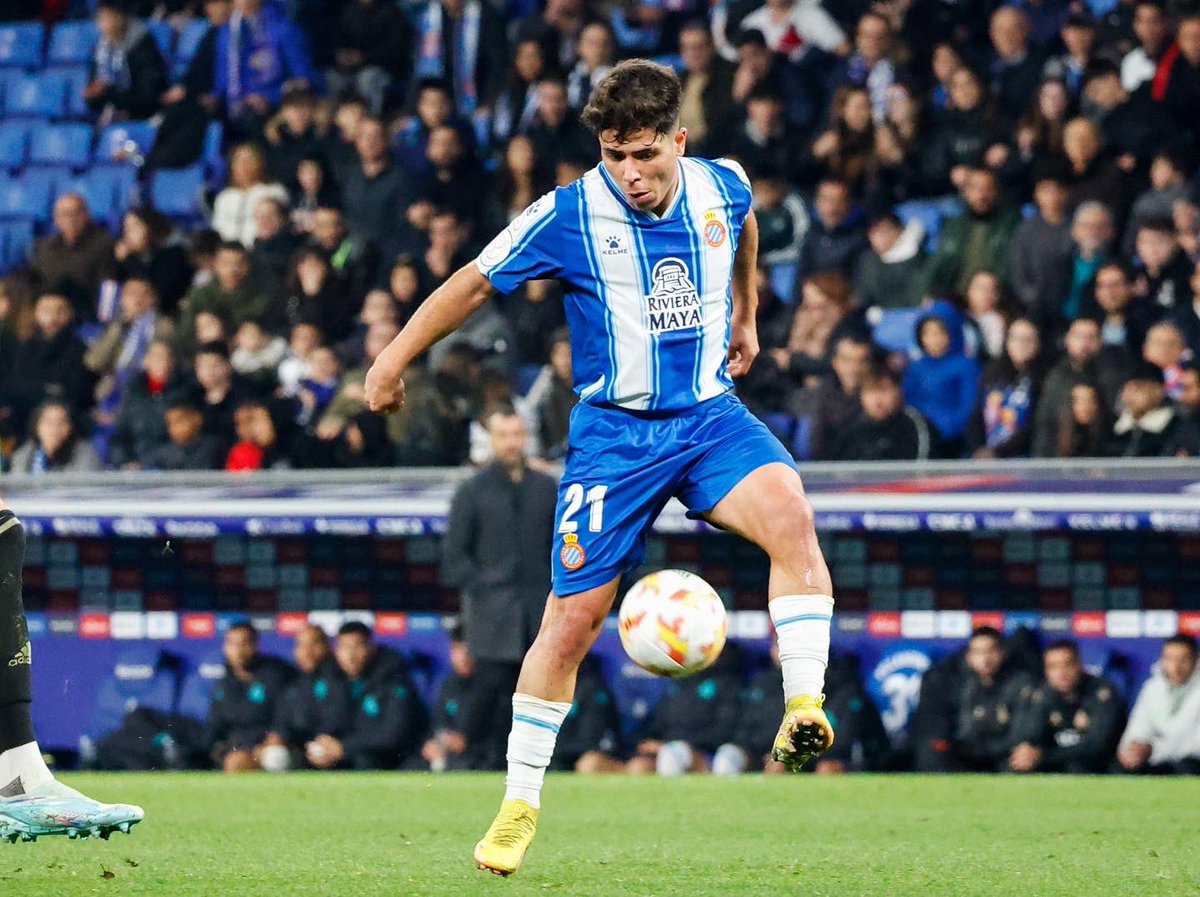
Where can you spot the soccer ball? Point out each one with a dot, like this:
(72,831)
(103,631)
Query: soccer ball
(672,623)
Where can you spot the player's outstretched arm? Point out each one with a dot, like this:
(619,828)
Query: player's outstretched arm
(743,337)
(442,313)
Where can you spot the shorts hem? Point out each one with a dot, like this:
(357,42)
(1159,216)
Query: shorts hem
(582,584)
(697,513)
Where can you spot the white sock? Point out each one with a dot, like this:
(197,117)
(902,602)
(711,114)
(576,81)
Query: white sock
(531,745)
(802,628)
(674,758)
(25,763)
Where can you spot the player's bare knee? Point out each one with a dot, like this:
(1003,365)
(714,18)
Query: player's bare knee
(792,526)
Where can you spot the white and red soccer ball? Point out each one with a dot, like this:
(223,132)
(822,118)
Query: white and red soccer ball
(672,623)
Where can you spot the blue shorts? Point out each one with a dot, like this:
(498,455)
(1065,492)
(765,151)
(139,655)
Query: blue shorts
(624,466)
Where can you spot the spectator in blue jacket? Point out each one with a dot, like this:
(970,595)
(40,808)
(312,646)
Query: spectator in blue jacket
(943,383)
(260,51)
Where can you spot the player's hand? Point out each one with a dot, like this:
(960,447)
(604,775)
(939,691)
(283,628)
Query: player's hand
(1025,758)
(384,394)
(1134,755)
(743,349)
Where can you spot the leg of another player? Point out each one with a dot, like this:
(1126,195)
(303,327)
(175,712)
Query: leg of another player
(545,689)
(32,802)
(769,507)
(21,766)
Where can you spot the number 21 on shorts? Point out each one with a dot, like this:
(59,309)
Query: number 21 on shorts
(577,495)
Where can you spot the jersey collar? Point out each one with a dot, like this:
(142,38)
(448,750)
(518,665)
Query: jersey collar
(647,216)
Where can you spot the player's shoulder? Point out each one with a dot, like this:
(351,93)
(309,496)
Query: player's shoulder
(729,171)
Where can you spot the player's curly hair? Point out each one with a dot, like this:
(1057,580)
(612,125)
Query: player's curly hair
(637,94)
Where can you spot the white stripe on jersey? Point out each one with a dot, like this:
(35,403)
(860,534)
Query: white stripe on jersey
(608,221)
(706,193)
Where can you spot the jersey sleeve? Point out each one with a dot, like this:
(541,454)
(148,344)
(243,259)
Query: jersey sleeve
(526,250)
(736,183)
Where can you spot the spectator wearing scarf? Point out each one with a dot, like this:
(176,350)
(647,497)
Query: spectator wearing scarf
(127,74)
(259,52)
(462,42)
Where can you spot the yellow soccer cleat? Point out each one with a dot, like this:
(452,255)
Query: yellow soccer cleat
(804,734)
(503,847)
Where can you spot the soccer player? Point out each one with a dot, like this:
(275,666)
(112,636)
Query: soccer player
(32,801)
(656,253)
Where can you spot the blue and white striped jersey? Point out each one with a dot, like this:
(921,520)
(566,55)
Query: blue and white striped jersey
(648,299)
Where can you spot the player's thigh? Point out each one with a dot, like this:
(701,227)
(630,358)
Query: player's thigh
(745,481)
(767,506)
(618,477)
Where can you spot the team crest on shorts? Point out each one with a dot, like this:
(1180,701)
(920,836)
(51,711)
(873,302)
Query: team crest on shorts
(572,554)
(714,230)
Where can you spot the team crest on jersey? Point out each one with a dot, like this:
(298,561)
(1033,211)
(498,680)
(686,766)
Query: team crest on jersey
(572,554)
(714,230)
(673,303)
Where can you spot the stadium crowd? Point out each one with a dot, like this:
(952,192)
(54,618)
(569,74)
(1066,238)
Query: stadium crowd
(980,226)
(995,705)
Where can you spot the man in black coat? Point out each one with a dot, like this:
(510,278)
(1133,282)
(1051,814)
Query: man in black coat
(376,192)
(497,540)
(372,50)
(48,365)
(242,706)
(127,76)
(1150,423)
(1132,123)
(886,429)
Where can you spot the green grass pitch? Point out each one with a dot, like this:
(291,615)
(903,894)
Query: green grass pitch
(348,835)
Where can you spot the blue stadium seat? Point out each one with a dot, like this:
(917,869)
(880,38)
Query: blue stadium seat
(54,178)
(21,44)
(142,677)
(74,78)
(72,43)
(114,138)
(24,200)
(196,693)
(14,142)
(98,191)
(34,96)
(66,144)
(213,156)
(178,191)
(15,239)
(894,332)
(188,43)
(931,213)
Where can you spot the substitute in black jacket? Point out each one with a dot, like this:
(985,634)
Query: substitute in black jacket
(994,693)
(447,747)
(242,706)
(886,429)
(318,700)
(497,540)
(387,718)
(127,75)
(588,740)
(1072,722)
(861,744)
(695,717)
